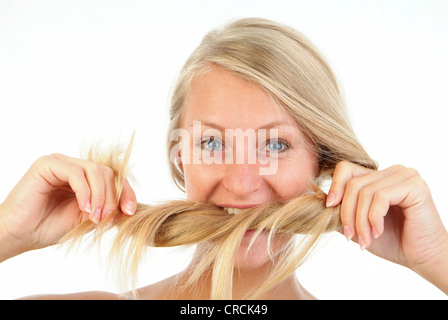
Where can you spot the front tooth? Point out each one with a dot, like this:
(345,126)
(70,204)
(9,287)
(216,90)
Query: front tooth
(233,210)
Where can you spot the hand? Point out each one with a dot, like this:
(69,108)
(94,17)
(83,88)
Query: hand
(389,212)
(55,195)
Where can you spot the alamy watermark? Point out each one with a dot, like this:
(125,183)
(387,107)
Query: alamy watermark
(189,147)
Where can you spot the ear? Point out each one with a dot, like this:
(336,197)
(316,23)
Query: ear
(179,162)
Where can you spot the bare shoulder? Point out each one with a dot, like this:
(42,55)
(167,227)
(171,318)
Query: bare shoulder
(157,291)
(89,295)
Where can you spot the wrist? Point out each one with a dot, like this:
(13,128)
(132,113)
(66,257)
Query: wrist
(435,270)
(8,244)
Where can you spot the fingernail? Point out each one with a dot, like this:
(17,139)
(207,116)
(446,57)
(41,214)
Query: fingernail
(330,199)
(87,207)
(108,213)
(96,216)
(130,208)
(375,233)
(348,233)
(361,242)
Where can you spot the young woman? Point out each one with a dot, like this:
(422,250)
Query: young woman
(268,81)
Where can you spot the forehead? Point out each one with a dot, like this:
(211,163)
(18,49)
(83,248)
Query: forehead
(219,96)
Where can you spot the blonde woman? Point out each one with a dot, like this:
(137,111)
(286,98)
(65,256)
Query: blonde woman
(257,119)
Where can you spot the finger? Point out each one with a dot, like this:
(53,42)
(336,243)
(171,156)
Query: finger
(110,204)
(128,200)
(356,201)
(393,194)
(78,183)
(344,171)
(365,228)
(349,205)
(96,180)
(59,173)
(378,210)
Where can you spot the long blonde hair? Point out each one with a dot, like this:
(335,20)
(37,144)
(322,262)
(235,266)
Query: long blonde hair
(286,65)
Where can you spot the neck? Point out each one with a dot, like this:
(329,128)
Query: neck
(245,282)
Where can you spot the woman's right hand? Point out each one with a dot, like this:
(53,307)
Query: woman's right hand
(56,194)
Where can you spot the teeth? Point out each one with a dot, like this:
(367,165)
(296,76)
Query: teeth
(233,210)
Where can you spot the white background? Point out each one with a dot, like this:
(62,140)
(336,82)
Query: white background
(77,72)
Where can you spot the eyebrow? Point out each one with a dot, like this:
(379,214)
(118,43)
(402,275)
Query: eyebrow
(269,125)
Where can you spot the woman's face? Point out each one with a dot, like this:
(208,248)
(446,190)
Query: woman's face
(272,161)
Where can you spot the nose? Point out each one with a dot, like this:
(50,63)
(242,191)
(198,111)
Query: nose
(242,179)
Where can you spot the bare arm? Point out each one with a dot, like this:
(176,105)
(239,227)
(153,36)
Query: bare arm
(90,295)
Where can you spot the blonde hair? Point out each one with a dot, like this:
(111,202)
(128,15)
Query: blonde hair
(286,65)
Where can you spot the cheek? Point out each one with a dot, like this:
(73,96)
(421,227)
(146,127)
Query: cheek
(200,181)
(293,176)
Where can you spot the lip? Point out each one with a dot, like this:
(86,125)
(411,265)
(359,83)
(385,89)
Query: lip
(238,206)
(249,233)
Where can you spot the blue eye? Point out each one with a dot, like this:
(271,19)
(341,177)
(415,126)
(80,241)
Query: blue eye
(277,145)
(211,144)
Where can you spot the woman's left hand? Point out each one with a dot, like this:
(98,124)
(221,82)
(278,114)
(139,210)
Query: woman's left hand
(392,214)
